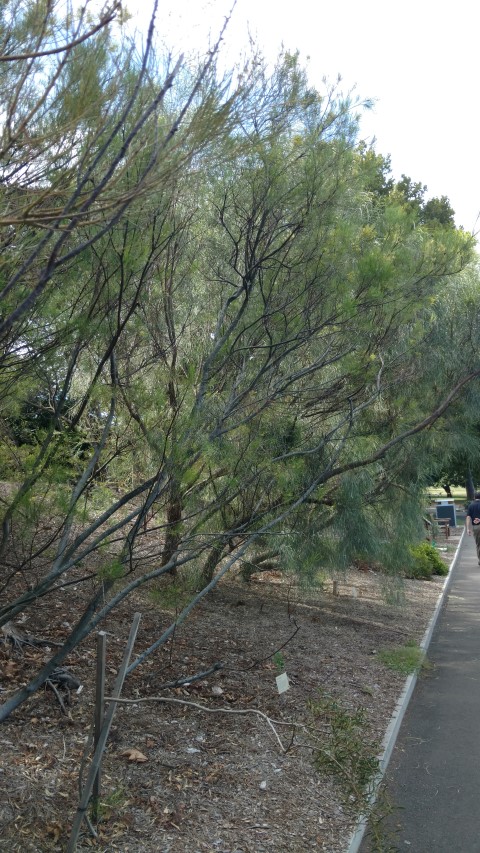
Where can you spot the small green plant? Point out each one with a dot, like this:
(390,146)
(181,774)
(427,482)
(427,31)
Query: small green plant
(174,594)
(111,804)
(382,838)
(346,752)
(112,571)
(279,661)
(425,562)
(404,659)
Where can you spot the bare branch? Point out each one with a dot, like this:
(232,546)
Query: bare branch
(204,709)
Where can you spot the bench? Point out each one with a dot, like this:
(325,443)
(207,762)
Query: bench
(444,524)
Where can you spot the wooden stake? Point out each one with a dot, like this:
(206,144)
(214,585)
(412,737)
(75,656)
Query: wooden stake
(99,712)
(102,740)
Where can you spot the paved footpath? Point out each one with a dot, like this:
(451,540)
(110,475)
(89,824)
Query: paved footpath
(434,773)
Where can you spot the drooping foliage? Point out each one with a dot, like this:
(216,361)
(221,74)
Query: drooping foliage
(221,325)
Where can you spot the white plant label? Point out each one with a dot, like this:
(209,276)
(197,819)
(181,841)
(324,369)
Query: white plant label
(283,683)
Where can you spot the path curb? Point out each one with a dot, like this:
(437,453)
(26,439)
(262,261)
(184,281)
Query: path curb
(393,728)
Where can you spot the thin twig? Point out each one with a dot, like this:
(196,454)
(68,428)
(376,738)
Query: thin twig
(57,694)
(190,679)
(261,660)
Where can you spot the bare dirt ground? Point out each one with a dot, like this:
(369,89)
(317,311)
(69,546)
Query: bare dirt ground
(220,778)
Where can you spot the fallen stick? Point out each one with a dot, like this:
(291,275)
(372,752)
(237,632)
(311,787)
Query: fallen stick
(202,708)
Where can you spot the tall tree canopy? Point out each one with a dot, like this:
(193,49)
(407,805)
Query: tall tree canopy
(215,314)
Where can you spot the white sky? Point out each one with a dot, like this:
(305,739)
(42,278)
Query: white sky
(418,59)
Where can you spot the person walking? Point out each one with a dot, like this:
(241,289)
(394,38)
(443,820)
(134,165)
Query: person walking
(472,522)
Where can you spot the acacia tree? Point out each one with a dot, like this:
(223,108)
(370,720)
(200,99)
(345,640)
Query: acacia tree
(87,139)
(235,337)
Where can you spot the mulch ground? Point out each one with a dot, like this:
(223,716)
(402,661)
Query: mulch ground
(178,778)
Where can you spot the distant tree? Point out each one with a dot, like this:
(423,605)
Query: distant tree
(412,192)
(456,473)
(435,210)
(439,210)
(376,171)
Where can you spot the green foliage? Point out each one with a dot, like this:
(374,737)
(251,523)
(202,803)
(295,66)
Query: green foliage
(111,803)
(279,662)
(174,593)
(404,659)
(440,211)
(371,521)
(376,171)
(220,319)
(346,752)
(425,562)
(112,571)
(412,192)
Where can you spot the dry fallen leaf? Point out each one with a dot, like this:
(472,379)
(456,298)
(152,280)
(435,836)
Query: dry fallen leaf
(54,829)
(134,755)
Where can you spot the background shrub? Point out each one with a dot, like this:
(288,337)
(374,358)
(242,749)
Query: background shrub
(425,562)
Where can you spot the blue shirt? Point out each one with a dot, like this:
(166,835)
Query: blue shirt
(474,511)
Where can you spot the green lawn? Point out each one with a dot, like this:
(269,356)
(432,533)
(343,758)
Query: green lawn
(459,494)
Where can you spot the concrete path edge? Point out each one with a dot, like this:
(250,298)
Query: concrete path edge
(393,728)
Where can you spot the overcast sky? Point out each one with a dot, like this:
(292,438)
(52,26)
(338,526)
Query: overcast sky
(418,59)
